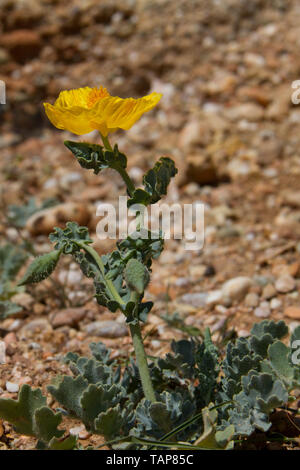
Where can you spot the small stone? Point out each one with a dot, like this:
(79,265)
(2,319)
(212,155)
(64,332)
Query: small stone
(12,387)
(15,325)
(263,310)
(275,303)
(292,312)
(24,300)
(243,333)
(236,288)
(285,283)
(35,326)
(214,297)
(261,280)
(196,299)
(74,277)
(221,309)
(68,317)
(182,282)
(269,291)
(68,179)
(84,434)
(249,111)
(252,300)
(106,329)
(34,345)
(293,325)
(197,270)
(10,341)
(77,430)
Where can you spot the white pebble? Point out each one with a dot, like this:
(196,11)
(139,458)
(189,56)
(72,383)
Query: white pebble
(12,387)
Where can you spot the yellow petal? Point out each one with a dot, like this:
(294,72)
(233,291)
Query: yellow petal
(74,120)
(123,113)
(70,98)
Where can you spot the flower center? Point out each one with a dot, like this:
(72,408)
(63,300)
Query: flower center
(95,95)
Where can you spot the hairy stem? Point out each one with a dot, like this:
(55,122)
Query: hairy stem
(141,357)
(109,284)
(127,180)
(106,143)
(122,172)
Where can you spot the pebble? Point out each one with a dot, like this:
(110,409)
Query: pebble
(269,291)
(263,310)
(251,300)
(76,430)
(71,277)
(292,312)
(214,297)
(37,325)
(15,325)
(106,329)
(275,303)
(236,288)
(10,341)
(285,283)
(261,280)
(293,325)
(24,300)
(243,333)
(34,345)
(12,387)
(196,299)
(68,317)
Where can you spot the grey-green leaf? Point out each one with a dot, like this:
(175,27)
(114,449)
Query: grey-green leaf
(136,276)
(41,268)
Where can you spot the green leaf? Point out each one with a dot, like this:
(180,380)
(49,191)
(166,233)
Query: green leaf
(20,412)
(97,399)
(156,183)
(110,422)
(41,268)
(276,330)
(68,393)
(95,157)
(279,359)
(65,239)
(67,443)
(45,424)
(136,276)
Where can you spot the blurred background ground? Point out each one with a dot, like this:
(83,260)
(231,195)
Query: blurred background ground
(225,69)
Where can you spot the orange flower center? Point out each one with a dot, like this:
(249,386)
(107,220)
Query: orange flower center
(95,95)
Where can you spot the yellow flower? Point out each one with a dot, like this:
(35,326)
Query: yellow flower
(85,109)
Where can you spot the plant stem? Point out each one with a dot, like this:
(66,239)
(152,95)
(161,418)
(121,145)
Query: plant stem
(122,172)
(142,363)
(106,142)
(109,284)
(127,180)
